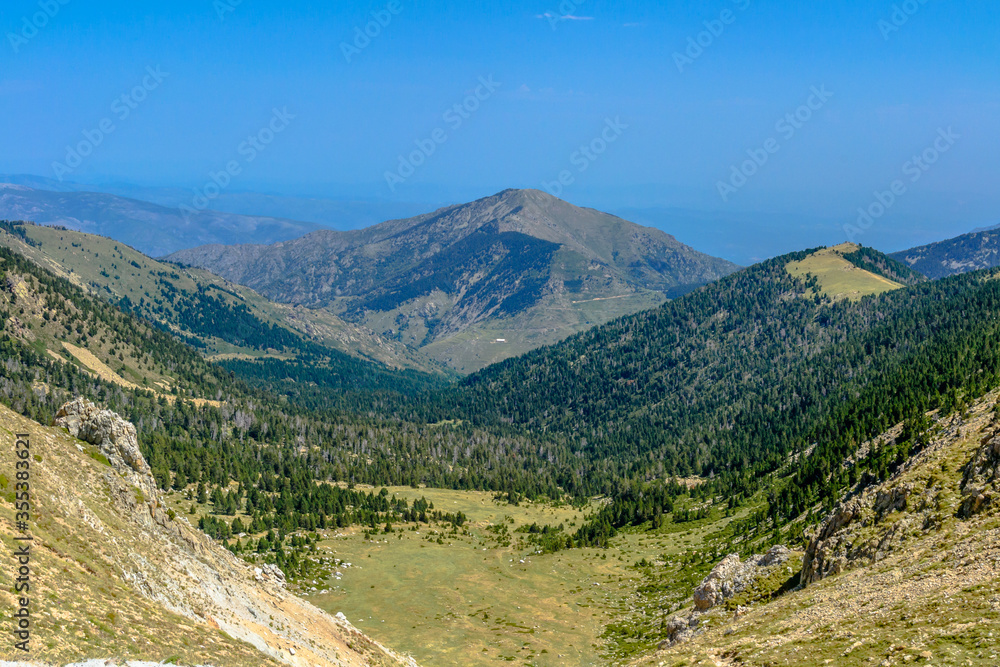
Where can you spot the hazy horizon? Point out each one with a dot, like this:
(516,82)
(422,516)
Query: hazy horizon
(744,128)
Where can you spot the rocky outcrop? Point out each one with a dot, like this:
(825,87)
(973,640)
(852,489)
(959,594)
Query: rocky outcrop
(680,629)
(979,484)
(720,583)
(728,579)
(731,577)
(845,537)
(115,437)
(859,532)
(270,573)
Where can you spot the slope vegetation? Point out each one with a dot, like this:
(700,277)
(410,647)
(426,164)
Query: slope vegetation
(969,252)
(218,317)
(732,379)
(839,278)
(899,572)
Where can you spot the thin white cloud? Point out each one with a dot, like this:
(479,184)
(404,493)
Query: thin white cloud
(549,16)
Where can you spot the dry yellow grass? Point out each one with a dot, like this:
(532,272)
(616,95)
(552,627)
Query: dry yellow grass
(113,576)
(838,278)
(101,370)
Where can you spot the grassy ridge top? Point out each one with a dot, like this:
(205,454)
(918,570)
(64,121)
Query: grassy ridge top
(839,278)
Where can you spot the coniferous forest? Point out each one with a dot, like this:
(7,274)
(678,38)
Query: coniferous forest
(726,384)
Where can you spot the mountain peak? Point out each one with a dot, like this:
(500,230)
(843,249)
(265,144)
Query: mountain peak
(521,267)
(529,196)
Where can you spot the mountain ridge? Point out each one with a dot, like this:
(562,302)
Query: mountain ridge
(518,263)
(151,228)
(220,318)
(969,252)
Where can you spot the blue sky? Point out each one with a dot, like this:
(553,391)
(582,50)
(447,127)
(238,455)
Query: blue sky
(561,72)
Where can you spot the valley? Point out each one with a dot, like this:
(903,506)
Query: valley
(444,334)
(484,594)
(479,521)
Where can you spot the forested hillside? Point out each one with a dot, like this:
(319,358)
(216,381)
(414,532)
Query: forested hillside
(219,318)
(727,384)
(208,433)
(969,252)
(731,381)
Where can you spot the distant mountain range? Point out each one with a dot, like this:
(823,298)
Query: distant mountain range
(150,228)
(969,252)
(475,283)
(332,212)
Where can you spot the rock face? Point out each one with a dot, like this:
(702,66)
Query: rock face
(731,577)
(837,544)
(979,485)
(880,519)
(115,437)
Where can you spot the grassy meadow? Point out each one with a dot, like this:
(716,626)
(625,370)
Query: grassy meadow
(481,595)
(838,278)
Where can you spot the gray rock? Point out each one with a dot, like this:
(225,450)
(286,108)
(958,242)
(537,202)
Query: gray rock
(834,547)
(731,576)
(979,484)
(679,629)
(115,437)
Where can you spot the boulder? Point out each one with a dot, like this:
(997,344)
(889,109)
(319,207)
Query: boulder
(679,629)
(721,583)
